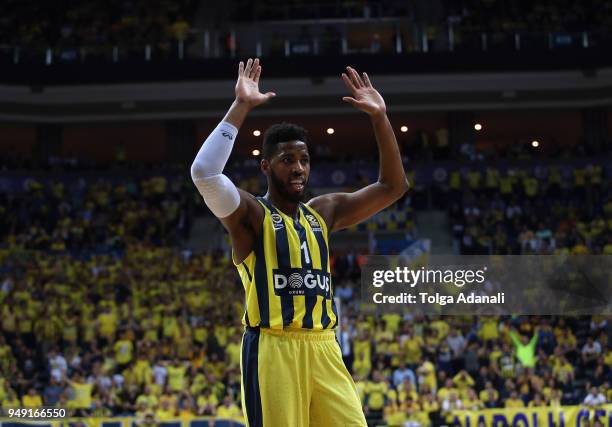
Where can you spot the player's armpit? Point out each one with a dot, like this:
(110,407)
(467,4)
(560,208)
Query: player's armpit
(341,210)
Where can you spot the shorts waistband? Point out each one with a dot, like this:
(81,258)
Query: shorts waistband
(297,334)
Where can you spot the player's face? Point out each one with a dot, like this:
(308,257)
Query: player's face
(289,169)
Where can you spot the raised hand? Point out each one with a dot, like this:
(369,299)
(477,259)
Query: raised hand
(247,86)
(365,97)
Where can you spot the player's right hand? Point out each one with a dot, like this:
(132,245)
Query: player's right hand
(247,86)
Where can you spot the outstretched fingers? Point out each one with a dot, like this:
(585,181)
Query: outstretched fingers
(355,77)
(240,69)
(257,74)
(348,82)
(254,68)
(366,79)
(247,69)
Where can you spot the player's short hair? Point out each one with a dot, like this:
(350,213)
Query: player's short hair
(281,132)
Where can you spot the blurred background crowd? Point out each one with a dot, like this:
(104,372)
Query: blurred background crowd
(117,293)
(103,313)
(153,331)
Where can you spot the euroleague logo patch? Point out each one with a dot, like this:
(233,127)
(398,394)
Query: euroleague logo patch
(277,221)
(314,223)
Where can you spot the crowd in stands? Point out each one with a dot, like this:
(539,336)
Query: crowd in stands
(68,26)
(80,30)
(418,370)
(517,199)
(529,16)
(302,10)
(531,211)
(476,15)
(500,19)
(101,215)
(153,332)
(103,314)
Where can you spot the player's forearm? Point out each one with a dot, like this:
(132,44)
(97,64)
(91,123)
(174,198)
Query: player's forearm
(219,193)
(237,113)
(215,151)
(391,170)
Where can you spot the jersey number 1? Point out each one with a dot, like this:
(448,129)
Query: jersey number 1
(304,247)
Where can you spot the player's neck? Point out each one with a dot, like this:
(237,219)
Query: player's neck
(285,206)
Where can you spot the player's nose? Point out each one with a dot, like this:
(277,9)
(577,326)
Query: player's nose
(298,168)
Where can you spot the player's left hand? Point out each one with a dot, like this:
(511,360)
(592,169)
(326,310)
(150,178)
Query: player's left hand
(365,97)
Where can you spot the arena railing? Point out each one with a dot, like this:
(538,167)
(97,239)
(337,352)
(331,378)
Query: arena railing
(382,36)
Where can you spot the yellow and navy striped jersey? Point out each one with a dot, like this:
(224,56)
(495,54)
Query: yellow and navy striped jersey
(287,277)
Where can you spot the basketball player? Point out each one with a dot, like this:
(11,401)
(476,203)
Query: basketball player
(292,369)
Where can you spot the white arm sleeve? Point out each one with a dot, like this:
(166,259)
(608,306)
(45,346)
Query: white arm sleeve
(219,193)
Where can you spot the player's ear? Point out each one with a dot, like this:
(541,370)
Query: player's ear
(265,166)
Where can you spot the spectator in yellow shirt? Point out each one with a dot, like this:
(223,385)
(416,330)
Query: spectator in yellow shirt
(124,349)
(564,371)
(414,414)
(567,341)
(472,402)
(463,381)
(362,365)
(176,375)
(142,370)
(427,374)
(81,392)
(31,399)
(580,247)
(179,30)
(207,403)
(429,404)
(536,402)
(148,420)
(489,330)
(11,400)
(450,403)
(148,399)
(232,351)
(187,410)
(413,348)
(555,398)
(513,401)
(229,410)
(169,323)
(375,396)
(165,411)
(489,396)
(107,324)
(446,389)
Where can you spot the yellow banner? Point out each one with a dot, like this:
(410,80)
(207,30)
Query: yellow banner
(119,422)
(562,416)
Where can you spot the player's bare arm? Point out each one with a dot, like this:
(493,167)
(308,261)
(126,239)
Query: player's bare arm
(244,219)
(341,210)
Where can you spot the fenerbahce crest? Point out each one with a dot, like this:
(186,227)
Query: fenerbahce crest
(297,281)
(277,221)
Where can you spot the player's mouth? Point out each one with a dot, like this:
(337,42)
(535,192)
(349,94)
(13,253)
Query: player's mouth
(297,184)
